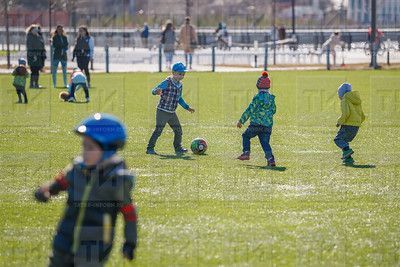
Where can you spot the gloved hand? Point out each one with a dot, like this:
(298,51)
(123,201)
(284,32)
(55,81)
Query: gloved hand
(42,194)
(128,250)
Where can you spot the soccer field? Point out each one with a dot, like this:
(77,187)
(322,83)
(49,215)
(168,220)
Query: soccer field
(213,209)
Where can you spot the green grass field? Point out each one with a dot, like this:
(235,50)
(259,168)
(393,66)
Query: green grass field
(214,210)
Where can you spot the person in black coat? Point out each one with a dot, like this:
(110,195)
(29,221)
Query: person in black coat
(36,53)
(59,42)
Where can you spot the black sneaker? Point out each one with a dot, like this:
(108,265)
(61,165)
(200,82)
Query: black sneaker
(151,151)
(181,150)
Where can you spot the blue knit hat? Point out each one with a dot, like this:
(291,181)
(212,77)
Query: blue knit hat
(21,61)
(344,88)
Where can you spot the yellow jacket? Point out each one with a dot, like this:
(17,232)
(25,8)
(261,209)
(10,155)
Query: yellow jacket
(352,113)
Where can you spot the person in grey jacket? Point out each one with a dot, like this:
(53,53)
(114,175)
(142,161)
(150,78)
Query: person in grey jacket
(168,40)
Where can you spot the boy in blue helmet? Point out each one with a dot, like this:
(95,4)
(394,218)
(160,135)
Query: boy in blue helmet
(170,92)
(20,74)
(98,186)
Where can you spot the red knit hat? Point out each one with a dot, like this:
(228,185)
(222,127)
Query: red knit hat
(263,82)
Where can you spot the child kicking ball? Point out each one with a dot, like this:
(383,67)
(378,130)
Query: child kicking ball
(350,120)
(98,187)
(170,92)
(77,80)
(260,111)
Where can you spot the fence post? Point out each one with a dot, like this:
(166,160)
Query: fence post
(160,58)
(266,57)
(388,57)
(107,59)
(328,51)
(213,58)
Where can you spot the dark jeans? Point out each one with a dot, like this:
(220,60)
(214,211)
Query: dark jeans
(263,133)
(345,135)
(83,64)
(162,118)
(21,91)
(62,259)
(73,87)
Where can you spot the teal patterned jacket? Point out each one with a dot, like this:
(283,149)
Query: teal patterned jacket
(261,110)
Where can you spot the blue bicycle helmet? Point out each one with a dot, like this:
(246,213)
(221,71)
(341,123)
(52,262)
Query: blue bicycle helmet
(108,131)
(178,67)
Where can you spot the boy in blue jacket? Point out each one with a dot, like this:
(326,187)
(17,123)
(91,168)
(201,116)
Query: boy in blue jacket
(260,111)
(98,186)
(170,92)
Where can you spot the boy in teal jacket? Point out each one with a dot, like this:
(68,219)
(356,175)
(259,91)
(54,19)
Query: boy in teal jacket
(260,111)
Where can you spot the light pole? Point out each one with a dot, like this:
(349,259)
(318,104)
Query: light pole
(293,18)
(373,44)
(7,33)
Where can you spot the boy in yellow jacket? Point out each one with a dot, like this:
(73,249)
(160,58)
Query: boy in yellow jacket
(350,120)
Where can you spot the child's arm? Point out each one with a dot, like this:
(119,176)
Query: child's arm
(345,113)
(184,105)
(14,73)
(60,183)
(159,88)
(128,209)
(246,114)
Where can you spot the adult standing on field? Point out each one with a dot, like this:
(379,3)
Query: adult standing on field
(168,40)
(84,50)
(188,40)
(59,42)
(36,53)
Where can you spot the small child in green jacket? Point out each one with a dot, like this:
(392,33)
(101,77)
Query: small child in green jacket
(260,111)
(20,74)
(350,120)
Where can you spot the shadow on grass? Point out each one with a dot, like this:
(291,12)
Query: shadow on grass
(265,167)
(360,166)
(174,156)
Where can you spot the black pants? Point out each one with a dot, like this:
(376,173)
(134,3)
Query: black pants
(83,64)
(21,91)
(35,70)
(162,118)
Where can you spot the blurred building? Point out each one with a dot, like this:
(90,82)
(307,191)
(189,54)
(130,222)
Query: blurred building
(388,12)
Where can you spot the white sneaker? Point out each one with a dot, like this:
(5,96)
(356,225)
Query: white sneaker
(71,99)
(87,99)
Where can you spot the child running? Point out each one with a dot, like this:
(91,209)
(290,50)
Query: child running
(350,120)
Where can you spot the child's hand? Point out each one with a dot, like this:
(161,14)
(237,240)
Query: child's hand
(42,194)
(191,110)
(239,125)
(158,92)
(337,125)
(128,250)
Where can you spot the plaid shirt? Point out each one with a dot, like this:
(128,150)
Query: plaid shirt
(171,96)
